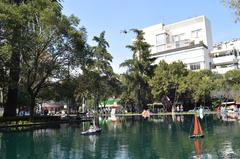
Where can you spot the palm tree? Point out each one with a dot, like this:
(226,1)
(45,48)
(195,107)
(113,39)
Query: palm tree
(101,67)
(103,58)
(140,69)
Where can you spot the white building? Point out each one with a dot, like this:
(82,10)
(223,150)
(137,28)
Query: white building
(189,41)
(225,56)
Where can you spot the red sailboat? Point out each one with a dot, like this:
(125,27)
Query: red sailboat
(197,131)
(198,147)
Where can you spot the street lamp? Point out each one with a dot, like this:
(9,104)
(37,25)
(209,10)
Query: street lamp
(1,102)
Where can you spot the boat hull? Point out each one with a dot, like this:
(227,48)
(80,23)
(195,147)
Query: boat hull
(91,132)
(197,136)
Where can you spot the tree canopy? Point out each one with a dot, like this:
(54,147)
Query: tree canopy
(140,70)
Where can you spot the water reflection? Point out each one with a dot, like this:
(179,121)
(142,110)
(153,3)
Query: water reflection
(129,137)
(9,145)
(234,116)
(177,118)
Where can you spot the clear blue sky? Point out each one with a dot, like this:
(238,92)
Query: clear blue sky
(116,15)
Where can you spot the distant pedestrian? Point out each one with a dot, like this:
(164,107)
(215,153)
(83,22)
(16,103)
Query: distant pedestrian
(45,111)
(181,108)
(178,109)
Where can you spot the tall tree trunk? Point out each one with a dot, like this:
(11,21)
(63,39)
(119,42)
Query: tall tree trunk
(32,105)
(12,95)
(96,101)
(140,100)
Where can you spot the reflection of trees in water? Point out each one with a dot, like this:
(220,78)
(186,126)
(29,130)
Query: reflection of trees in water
(138,138)
(169,138)
(108,146)
(23,144)
(8,147)
(20,145)
(227,151)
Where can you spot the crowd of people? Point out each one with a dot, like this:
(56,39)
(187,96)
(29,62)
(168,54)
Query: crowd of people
(178,108)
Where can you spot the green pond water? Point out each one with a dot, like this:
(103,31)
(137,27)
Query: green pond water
(128,137)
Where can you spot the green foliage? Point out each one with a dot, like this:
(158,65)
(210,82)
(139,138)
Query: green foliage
(55,43)
(98,80)
(232,82)
(168,77)
(200,84)
(175,81)
(4,64)
(140,70)
(169,80)
(102,57)
(216,102)
(235,6)
(227,86)
(12,21)
(49,43)
(233,77)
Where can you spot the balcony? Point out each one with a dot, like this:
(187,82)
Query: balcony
(173,45)
(178,44)
(223,70)
(224,59)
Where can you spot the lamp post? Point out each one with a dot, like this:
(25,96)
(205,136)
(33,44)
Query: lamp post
(1,102)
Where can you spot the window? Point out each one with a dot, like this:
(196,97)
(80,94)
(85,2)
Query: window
(196,33)
(177,44)
(161,39)
(177,39)
(160,48)
(223,66)
(195,66)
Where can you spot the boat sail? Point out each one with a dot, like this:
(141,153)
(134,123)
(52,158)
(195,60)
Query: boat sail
(197,131)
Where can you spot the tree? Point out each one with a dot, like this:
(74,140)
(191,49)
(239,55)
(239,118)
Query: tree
(49,44)
(127,99)
(140,70)
(232,81)
(4,64)
(97,79)
(168,81)
(227,86)
(101,67)
(102,57)
(200,85)
(235,5)
(53,45)
(13,26)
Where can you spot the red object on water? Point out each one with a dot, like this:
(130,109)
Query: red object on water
(198,147)
(197,127)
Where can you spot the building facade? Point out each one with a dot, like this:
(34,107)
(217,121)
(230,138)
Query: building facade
(189,41)
(225,56)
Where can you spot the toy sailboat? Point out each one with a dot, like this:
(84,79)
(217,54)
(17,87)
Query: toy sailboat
(197,131)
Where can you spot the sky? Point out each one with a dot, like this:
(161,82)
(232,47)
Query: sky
(114,16)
